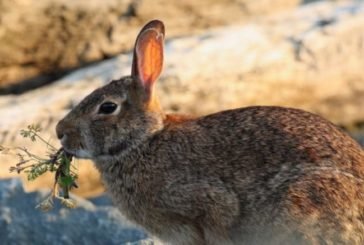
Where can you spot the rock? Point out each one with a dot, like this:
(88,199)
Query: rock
(203,14)
(47,37)
(40,37)
(294,59)
(20,222)
(144,242)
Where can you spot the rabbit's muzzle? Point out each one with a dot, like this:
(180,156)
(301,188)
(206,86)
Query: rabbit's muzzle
(64,129)
(70,137)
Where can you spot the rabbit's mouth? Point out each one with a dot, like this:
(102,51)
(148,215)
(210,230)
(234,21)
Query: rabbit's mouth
(78,153)
(76,149)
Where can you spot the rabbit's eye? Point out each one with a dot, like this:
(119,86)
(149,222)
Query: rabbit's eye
(107,108)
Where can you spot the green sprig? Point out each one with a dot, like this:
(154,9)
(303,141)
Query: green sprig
(57,161)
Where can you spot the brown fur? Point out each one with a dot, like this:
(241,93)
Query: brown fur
(177,118)
(256,175)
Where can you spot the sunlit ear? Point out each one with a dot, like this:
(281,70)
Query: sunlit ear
(148,54)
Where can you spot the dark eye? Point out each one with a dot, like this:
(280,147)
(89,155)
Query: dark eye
(107,108)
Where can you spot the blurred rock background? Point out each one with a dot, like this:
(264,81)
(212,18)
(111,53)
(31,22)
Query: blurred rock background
(220,54)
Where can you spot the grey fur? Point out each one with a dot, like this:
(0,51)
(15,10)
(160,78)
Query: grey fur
(256,175)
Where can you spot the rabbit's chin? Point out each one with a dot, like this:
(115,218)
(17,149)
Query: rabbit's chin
(81,153)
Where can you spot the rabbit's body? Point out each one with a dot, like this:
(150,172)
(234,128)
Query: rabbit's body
(258,175)
(278,170)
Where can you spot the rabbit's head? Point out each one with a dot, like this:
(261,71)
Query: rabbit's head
(123,113)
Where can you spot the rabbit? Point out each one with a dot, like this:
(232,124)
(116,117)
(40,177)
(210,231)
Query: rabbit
(255,175)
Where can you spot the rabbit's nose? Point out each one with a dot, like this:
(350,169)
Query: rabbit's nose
(60,136)
(59,131)
(63,128)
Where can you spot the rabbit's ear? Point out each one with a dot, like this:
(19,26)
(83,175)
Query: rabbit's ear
(148,54)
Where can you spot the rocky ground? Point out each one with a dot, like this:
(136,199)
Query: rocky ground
(94,221)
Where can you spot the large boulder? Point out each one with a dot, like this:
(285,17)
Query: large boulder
(50,36)
(310,58)
(92,222)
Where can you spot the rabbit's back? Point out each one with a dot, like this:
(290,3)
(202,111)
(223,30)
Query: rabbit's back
(280,168)
(262,140)
(271,139)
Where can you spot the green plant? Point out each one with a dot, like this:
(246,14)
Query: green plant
(56,161)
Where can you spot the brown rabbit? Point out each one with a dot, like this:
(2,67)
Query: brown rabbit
(256,175)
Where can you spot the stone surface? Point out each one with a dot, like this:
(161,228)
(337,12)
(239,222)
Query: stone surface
(92,222)
(49,36)
(310,58)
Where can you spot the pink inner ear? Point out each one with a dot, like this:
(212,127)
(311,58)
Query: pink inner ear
(149,55)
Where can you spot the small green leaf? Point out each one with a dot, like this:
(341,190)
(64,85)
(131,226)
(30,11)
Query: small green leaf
(66,181)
